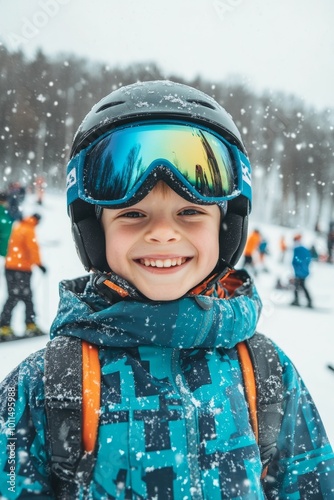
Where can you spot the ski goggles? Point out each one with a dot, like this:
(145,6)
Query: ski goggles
(120,168)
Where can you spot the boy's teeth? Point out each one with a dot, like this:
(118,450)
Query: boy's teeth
(176,261)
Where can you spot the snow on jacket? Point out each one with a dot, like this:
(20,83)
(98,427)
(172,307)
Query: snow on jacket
(23,250)
(174,422)
(301,261)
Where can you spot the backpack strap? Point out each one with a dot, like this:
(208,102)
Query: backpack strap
(91,391)
(249,385)
(72,404)
(262,374)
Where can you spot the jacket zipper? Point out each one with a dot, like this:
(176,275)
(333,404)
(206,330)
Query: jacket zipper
(191,426)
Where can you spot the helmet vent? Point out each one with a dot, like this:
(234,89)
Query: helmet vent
(201,103)
(109,105)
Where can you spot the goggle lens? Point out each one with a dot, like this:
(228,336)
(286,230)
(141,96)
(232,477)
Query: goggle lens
(113,170)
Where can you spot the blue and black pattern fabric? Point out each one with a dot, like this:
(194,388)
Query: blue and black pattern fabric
(174,421)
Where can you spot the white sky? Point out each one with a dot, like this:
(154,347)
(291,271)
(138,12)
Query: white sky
(270,44)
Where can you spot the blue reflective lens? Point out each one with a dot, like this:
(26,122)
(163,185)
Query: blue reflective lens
(127,162)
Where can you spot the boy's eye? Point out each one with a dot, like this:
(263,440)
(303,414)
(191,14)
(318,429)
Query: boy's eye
(133,214)
(190,211)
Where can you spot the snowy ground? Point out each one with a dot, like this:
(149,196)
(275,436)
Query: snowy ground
(307,336)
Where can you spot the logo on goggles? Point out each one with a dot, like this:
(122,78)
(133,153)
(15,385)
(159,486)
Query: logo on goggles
(71,179)
(246,173)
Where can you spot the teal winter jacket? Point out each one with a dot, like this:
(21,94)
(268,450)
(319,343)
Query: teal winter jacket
(174,421)
(5,230)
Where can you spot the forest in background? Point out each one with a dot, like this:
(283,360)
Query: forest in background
(43,100)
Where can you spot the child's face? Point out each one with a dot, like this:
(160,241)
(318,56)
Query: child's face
(163,245)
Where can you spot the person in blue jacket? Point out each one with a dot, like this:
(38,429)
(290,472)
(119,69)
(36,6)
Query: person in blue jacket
(159,191)
(301,260)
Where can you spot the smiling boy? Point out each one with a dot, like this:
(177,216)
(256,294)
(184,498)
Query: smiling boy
(158,196)
(163,244)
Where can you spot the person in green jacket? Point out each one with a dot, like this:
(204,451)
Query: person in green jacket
(5,224)
(158,193)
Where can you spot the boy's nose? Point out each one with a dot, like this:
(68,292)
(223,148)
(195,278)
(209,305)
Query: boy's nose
(162,230)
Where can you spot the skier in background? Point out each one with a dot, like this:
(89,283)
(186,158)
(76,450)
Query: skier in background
(263,252)
(23,253)
(283,248)
(40,186)
(301,265)
(5,224)
(251,249)
(330,242)
(16,195)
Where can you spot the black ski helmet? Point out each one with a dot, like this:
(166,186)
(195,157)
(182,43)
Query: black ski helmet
(155,100)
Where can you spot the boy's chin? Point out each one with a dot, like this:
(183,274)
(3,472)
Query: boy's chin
(164,295)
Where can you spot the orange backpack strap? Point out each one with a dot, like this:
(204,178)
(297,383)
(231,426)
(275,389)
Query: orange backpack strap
(72,402)
(91,389)
(249,385)
(262,374)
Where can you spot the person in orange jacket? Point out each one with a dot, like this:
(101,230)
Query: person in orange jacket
(23,253)
(252,245)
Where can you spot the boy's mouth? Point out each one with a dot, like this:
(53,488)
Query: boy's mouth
(170,262)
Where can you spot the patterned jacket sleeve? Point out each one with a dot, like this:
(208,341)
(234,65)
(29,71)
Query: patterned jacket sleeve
(304,465)
(23,456)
